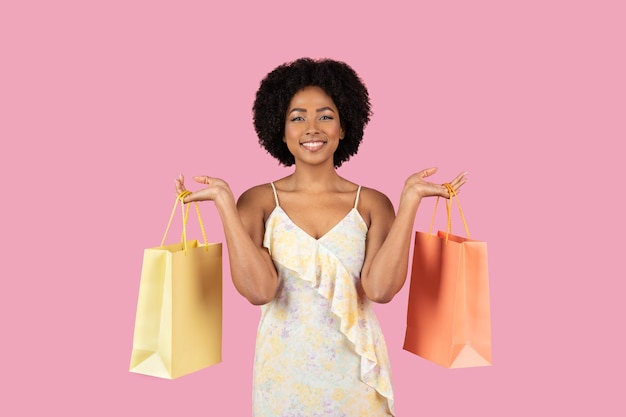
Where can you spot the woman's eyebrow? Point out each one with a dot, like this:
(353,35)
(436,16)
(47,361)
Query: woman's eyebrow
(297,109)
(321,109)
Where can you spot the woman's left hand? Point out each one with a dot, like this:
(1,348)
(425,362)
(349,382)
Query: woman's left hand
(417,186)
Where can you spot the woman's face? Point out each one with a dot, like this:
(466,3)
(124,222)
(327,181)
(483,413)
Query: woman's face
(312,126)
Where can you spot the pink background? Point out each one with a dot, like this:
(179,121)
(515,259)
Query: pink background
(104,103)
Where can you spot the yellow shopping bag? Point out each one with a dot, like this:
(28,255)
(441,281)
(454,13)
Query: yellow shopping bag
(178,325)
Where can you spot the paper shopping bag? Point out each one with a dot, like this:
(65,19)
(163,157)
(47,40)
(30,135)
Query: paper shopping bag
(178,324)
(448,316)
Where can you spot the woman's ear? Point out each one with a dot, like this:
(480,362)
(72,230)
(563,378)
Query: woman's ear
(342,134)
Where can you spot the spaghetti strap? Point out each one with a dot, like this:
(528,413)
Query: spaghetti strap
(358,192)
(275,194)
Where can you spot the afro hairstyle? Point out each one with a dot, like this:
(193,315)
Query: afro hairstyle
(338,80)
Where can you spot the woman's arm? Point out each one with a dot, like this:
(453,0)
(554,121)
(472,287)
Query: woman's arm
(251,267)
(388,241)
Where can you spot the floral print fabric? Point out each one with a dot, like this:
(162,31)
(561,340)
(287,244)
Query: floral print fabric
(320,350)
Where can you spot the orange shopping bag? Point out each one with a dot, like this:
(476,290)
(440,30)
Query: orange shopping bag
(448,317)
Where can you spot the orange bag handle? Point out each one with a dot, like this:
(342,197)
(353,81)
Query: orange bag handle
(448,203)
(185,214)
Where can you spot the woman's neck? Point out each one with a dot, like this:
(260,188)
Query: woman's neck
(315,179)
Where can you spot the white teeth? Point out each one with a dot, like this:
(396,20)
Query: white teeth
(312,146)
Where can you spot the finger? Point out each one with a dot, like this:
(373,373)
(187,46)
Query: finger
(196,196)
(180,187)
(202,179)
(457,187)
(427,172)
(189,198)
(459,180)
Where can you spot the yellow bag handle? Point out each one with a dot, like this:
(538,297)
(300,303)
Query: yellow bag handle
(448,203)
(185,214)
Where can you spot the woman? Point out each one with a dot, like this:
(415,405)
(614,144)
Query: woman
(314,249)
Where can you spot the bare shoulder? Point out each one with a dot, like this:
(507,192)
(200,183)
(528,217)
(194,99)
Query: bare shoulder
(375,199)
(374,204)
(259,199)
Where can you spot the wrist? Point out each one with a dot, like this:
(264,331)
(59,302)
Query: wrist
(409,198)
(224,198)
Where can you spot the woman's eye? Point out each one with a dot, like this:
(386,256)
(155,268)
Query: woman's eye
(326,117)
(297,119)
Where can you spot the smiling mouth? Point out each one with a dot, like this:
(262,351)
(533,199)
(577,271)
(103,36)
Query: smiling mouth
(313,145)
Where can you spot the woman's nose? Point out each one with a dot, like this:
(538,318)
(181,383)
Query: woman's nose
(312,127)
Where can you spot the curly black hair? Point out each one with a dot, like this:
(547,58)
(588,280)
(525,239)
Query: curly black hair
(336,78)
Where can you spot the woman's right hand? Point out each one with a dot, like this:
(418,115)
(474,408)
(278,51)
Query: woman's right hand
(251,268)
(215,190)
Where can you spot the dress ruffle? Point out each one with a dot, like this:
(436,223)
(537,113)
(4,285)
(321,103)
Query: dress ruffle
(319,266)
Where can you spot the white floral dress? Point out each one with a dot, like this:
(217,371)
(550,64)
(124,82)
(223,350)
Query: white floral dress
(320,350)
